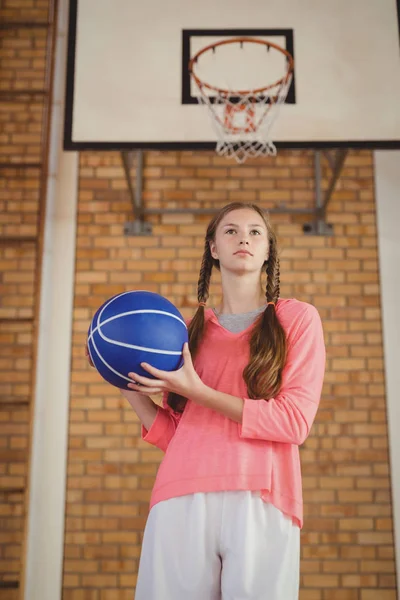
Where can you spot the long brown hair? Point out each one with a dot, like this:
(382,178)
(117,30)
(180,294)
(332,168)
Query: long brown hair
(263,374)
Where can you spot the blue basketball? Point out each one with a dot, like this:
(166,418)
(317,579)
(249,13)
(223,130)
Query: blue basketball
(135,327)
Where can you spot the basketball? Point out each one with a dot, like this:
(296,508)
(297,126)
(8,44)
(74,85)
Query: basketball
(135,327)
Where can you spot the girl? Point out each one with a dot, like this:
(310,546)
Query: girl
(226,508)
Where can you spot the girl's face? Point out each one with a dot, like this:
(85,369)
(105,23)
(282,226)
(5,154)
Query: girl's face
(241,241)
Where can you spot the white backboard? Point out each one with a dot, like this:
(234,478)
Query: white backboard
(128,84)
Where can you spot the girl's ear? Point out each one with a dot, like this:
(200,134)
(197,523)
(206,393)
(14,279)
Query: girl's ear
(213,250)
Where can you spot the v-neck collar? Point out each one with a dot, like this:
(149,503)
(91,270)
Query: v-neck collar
(212,317)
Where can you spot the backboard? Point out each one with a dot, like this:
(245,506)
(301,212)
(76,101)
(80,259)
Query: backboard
(128,84)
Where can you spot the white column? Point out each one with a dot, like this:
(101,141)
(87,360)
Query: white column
(387,186)
(47,486)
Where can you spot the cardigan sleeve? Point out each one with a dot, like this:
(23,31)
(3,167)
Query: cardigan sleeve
(163,427)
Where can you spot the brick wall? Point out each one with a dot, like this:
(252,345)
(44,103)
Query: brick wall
(22,68)
(347,541)
(347,550)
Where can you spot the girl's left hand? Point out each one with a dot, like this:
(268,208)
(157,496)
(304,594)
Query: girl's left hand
(185,381)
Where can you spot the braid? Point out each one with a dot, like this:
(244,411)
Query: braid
(196,327)
(203,285)
(273,271)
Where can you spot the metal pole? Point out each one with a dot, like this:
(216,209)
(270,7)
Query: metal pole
(318,193)
(139,185)
(337,167)
(138,226)
(318,226)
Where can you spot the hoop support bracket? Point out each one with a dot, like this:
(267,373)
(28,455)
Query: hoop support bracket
(135,188)
(335,158)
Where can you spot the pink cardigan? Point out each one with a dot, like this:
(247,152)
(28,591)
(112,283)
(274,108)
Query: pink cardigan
(208,452)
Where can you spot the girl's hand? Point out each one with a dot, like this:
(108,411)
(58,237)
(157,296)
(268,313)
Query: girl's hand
(88,355)
(184,382)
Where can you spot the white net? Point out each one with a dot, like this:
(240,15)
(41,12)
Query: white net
(243,126)
(242,120)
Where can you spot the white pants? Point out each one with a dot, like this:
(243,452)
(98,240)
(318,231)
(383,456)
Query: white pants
(229,545)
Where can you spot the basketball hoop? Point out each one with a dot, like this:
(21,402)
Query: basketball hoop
(242,119)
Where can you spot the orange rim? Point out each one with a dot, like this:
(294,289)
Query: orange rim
(225,92)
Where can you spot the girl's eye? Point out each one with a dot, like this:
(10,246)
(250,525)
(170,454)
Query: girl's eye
(253,230)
